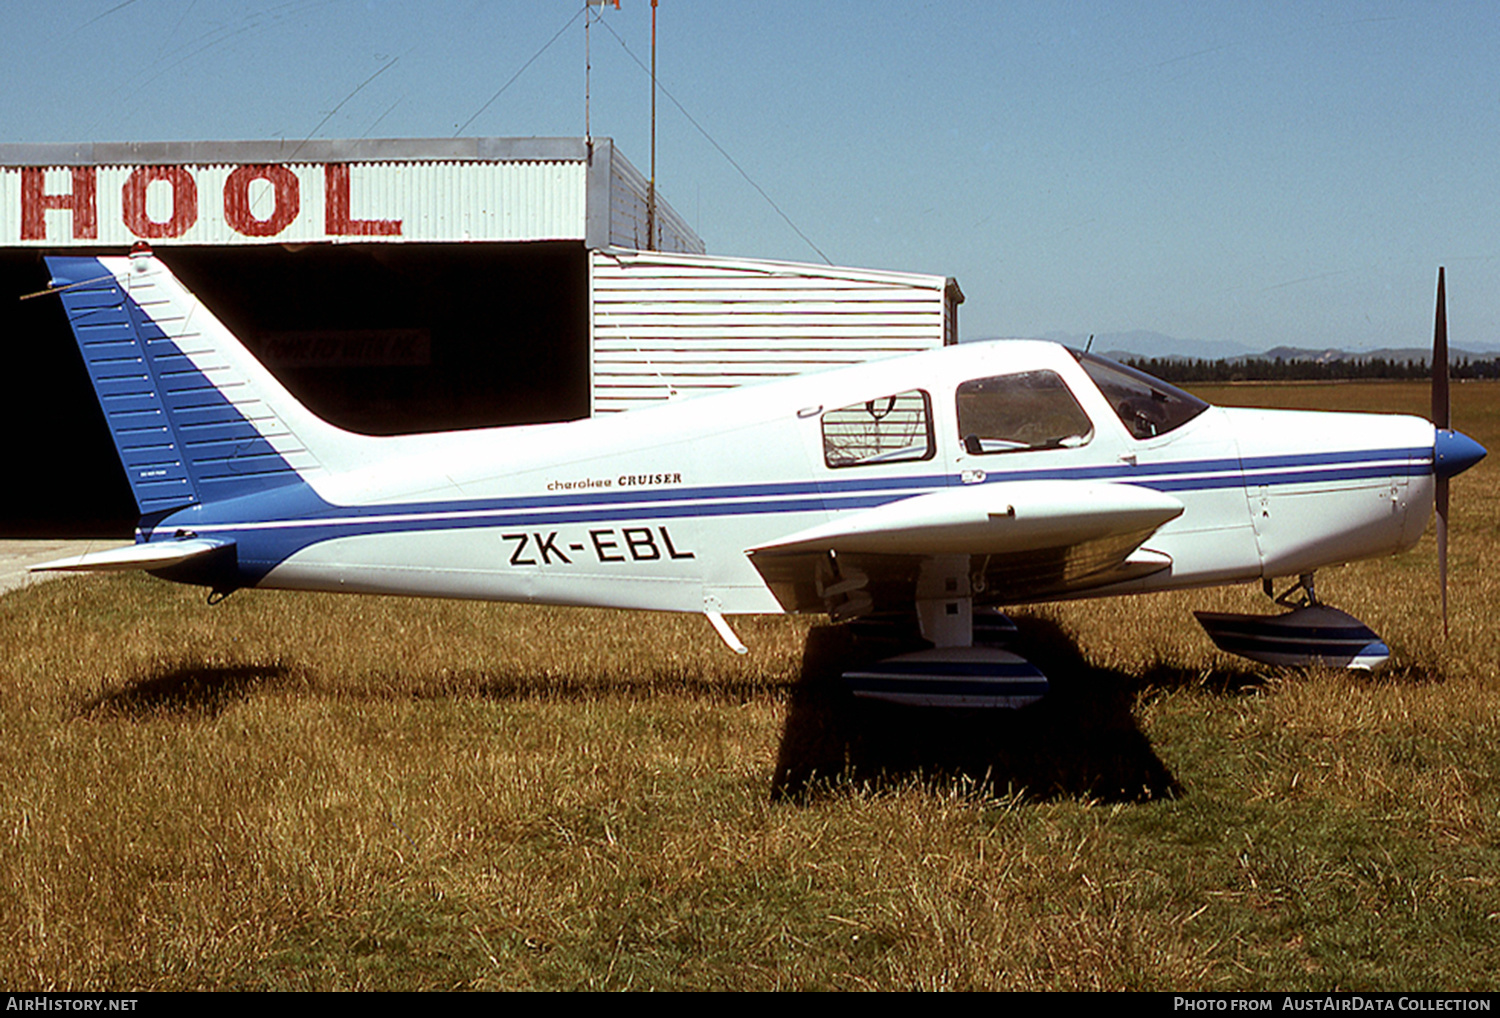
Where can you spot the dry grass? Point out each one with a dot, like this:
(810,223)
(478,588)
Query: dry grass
(312,792)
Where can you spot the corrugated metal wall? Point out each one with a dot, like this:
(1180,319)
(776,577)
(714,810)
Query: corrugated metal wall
(476,201)
(668,326)
(627,214)
(410,201)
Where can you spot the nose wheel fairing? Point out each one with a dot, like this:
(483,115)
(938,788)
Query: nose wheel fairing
(1306,635)
(1311,633)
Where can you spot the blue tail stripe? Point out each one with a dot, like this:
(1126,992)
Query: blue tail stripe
(123,377)
(129,402)
(161,487)
(132,418)
(155,457)
(154,498)
(112,364)
(136,436)
(114,394)
(113,358)
(148,444)
(95,293)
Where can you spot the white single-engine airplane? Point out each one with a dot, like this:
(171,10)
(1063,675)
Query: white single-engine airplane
(977,475)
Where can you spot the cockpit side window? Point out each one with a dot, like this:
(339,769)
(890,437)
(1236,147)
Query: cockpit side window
(887,429)
(1147,406)
(1020,412)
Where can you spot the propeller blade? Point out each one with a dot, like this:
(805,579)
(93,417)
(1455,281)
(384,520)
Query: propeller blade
(1440,407)
(1442,545)
(1452,453)
(1441,418)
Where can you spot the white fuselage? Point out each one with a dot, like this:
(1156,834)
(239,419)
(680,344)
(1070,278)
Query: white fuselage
(656,508)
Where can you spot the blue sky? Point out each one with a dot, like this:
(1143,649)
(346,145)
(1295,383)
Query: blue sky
(1253,174)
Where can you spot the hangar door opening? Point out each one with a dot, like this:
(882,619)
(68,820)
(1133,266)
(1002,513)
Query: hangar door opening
(380,339)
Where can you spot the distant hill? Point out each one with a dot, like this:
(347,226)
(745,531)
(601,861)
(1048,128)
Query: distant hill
(1409,353)
(1143,345)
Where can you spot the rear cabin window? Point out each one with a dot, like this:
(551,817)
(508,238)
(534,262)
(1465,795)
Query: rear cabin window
(1019,412)
(888,429)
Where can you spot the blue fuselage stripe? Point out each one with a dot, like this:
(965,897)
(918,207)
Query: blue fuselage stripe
(275,524)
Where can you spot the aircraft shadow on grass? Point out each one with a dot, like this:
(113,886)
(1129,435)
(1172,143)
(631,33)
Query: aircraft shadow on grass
(1079,740)
(186,690)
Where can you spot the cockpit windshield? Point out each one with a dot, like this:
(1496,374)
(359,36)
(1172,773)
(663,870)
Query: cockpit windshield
(1147,406)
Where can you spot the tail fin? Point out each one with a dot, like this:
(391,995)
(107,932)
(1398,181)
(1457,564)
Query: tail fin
(194,416)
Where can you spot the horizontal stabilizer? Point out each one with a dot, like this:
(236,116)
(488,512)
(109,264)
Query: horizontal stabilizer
(154,555)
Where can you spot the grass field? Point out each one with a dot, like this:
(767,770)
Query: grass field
(293,791)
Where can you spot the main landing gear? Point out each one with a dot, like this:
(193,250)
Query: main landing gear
(969,665)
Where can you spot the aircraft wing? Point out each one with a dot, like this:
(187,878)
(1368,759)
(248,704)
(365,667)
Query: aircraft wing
(1024,539)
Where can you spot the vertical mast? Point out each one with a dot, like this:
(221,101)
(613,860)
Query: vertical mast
(651,188)
(588,134)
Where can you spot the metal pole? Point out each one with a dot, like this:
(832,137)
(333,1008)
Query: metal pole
(651,189)
(587,69)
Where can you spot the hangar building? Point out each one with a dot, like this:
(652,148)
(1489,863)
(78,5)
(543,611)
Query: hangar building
(415,285)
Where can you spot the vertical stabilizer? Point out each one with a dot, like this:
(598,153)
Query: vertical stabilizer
(194,416)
